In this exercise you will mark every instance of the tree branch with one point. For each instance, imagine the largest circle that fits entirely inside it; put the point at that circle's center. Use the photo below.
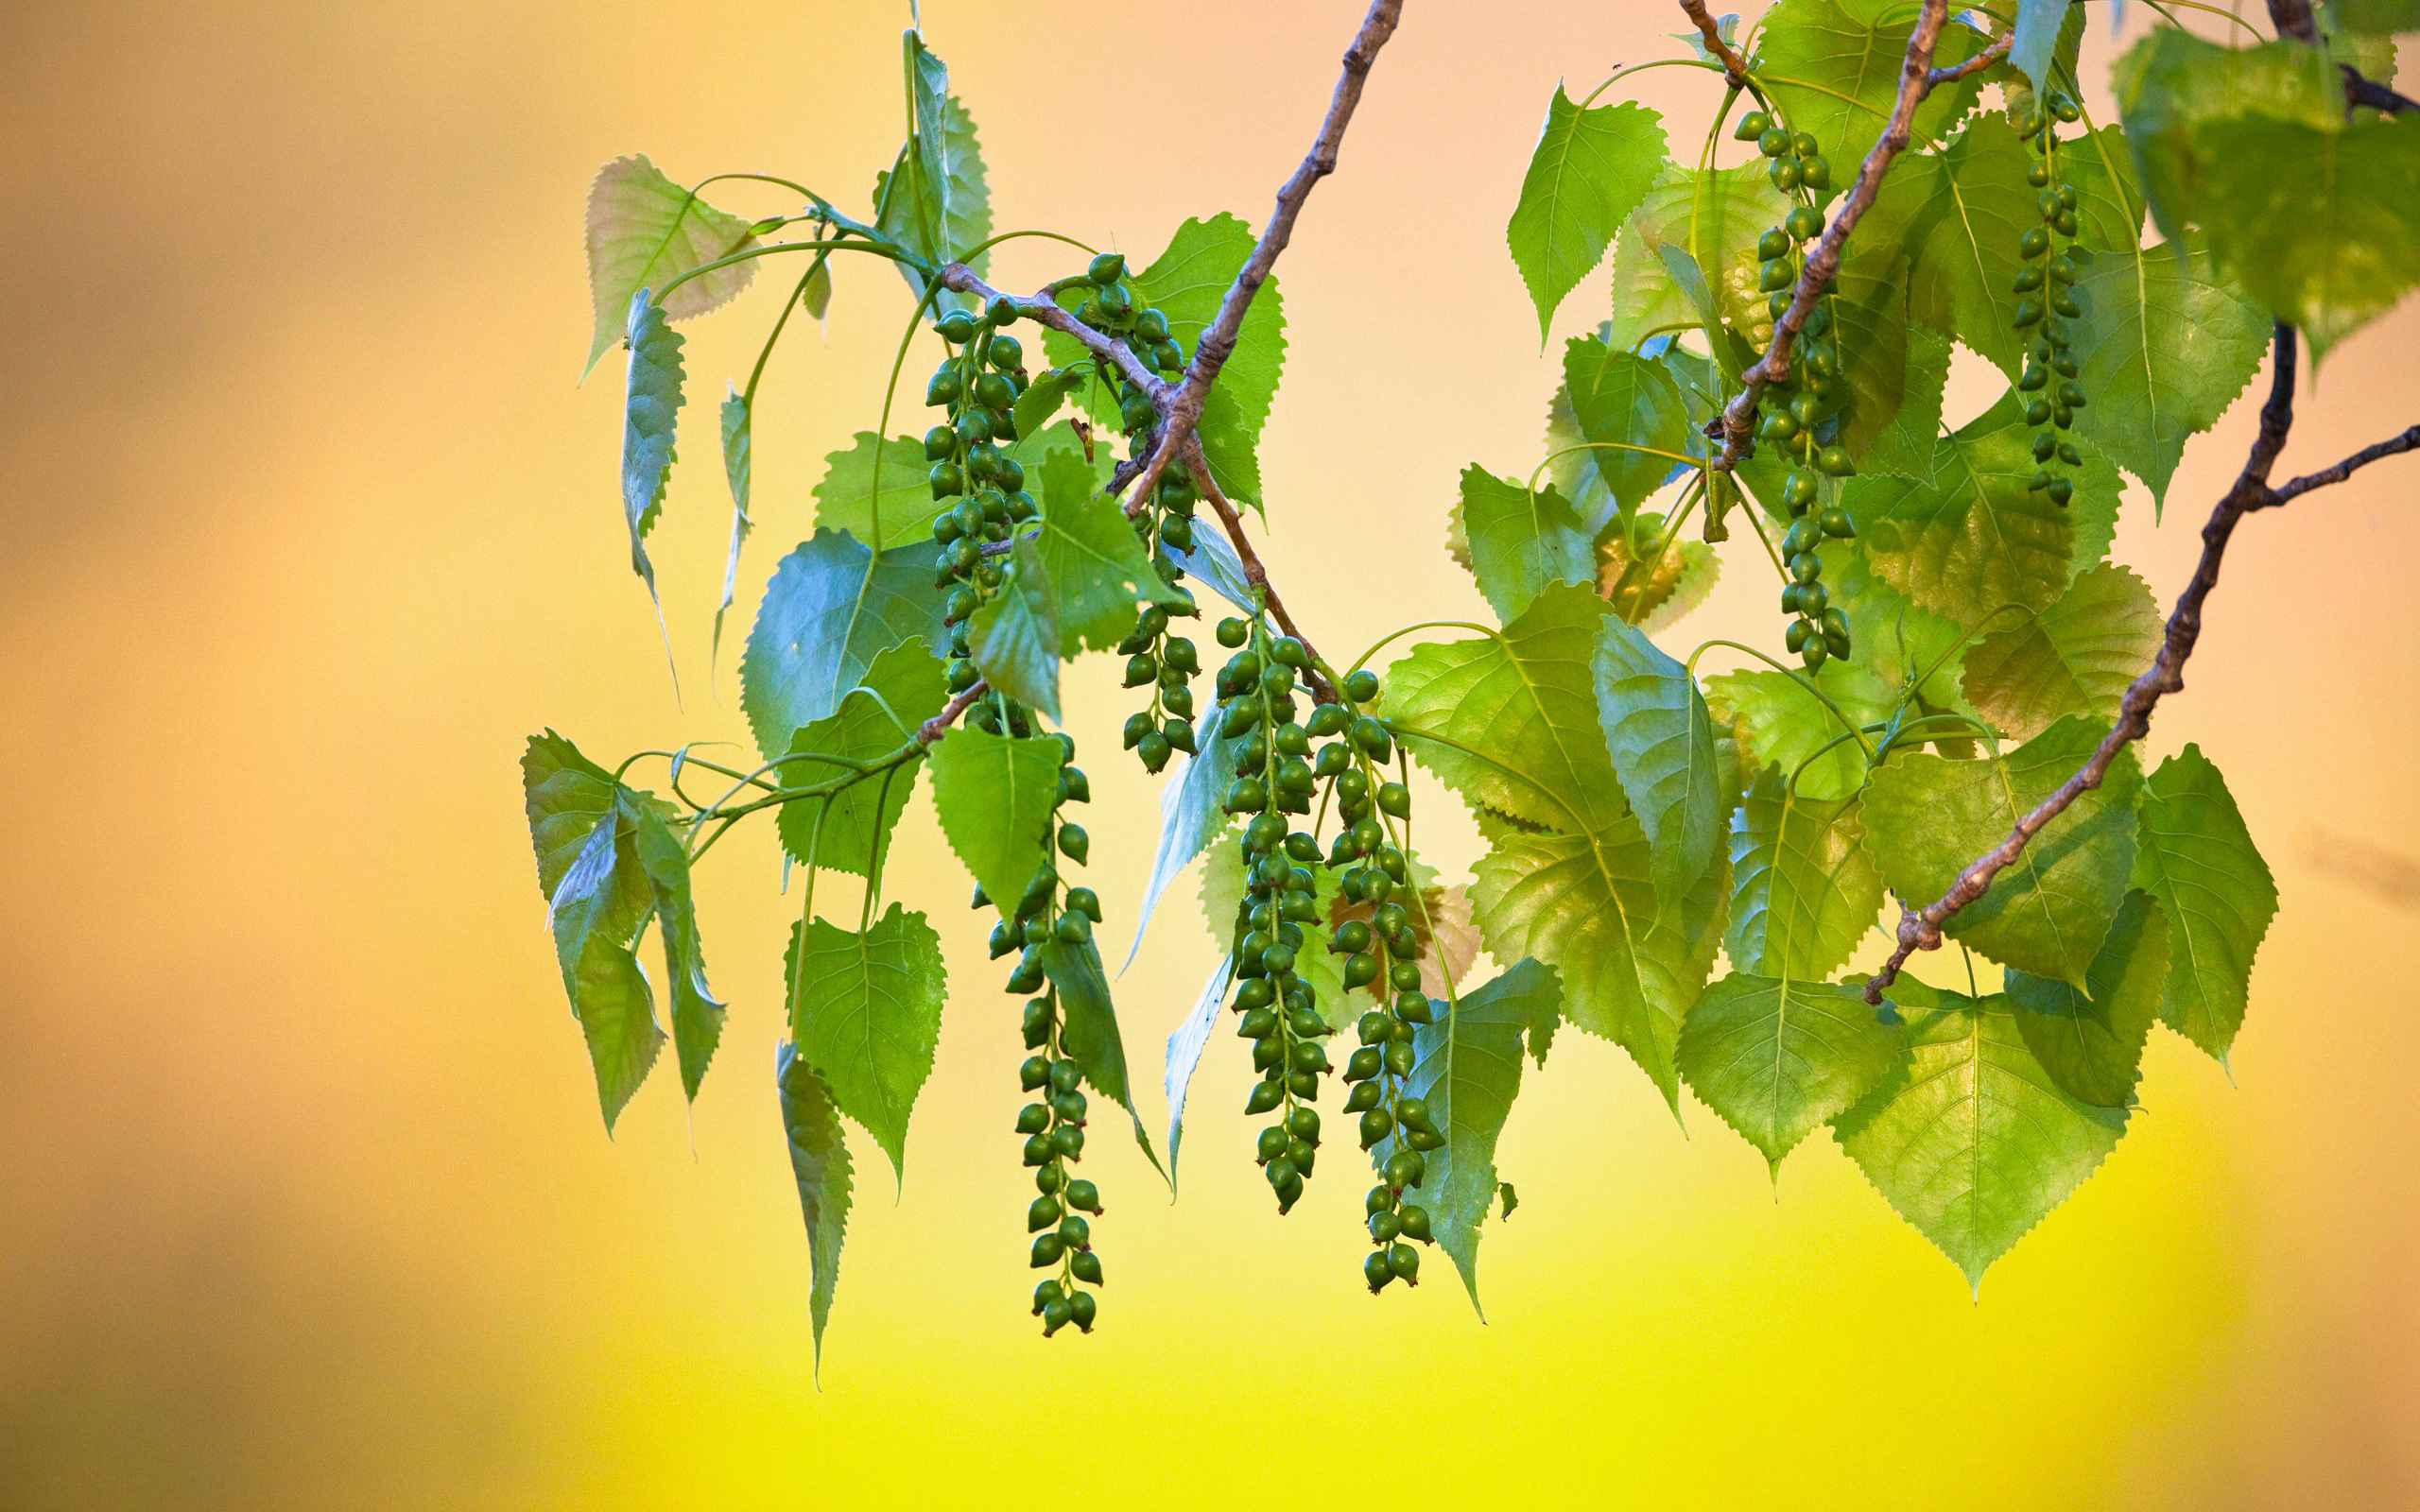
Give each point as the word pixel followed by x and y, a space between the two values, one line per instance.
pixel 1735 68
pixel 2405 441
pixel 1044 310
pixel 2359 90
pixel 1182 410
pixel 1916 78
pixel 1254 572
pixel 1920 929
pixel 931 729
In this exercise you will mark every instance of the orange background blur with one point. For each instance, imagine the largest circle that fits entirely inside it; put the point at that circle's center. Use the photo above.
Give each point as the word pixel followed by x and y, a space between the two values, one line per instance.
pixel 304 1197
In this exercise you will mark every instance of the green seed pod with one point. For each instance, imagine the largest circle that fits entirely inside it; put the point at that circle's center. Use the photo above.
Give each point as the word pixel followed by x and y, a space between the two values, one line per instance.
pixel 1415 1223
pixel 1812 653
pixel 1087 1269
pixel 1785 173
pixel 1361 686
pixel 1044 1213
pixel 1752 126
pixel 1398 1058
pixel 1776 274
pixel 1032 1118
pixel 1773 142
pixel 1837 524
pixel 1106 269
pixel 1404 1168
pixel 2037 411
pixel 2060 491
pixel 1835 462
pixel 1265 1095
pixel 2034 243
pixel 1083 1307
pixel 1773 245
pixel 1375 1125
pixel 1384 1226
pixel 1816 173
pixel 1375 1271
pixel 1068 1139
pixel 1271 1144
pixel 1804 224
pixel 2028 312
pixel 1033 1073
pixel 1363 1097
pixel 1056 1315
pixel 1394 799
pixel 1049 1249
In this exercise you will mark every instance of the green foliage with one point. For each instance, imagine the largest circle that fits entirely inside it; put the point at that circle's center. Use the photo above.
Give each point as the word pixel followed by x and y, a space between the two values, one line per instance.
pixel 1073 584
pixel 1803 890
pixel 1778 1058
pixel 996 796
pixel 1968 1137
pixel 1927 816
pixel 2090 1040
pixel 865 1010
pixel 652 411
pixel 1520 541
pixel 1589 170
pixel 831 608
pixel 1966 645
pixel 1833 67
pixel 2074 658
pixel 1661 740
pixel 1976 538
pixel 901 689
pixel 643 229
pixel 2199 864
pixel 819 1163
pixel 1467 1067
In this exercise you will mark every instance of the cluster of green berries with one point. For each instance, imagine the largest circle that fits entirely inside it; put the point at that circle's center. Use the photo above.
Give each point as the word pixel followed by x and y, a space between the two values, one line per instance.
pixel 1101 298
pixel 1797 413
pixel 1053 1124
pixel 1156 659
pixel 1280 1011
pixel 2047 301
pixel 978 385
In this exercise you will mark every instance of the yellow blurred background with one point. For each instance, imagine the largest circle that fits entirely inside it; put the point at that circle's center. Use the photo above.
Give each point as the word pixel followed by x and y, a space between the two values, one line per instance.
pixel 305 1201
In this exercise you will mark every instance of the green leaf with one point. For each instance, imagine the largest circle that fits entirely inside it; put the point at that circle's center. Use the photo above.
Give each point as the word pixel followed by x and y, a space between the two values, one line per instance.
pixel 1869 305
pixel 1692 238
pixel 1777 1058
pixel 1976 537
pixel 845 497
pixel 1617 396
pixel 1905 446
pixel 819 1163
pixel 643 230
pixel 1185 1052
pixel 1590 169
pixel 1968 1138
pixel 1927 819
pixel 1833 67
pixel 1088 1026
pixel 2091 1040
pixel 1779 724
pixel 2075 658
pixel 737 464
pixel 1042 396
pixel 597 893
pixel 865 1011
pixel 935 200
pixel 996 796
pixel 1662 744
pixel 2165 343
pixel 831 608
pixel 1519 541
pixel 1804 892
pixel 2321 223
pixel 1631 962
pixel 2172 83
pixel 1514 715
pixel 1467 1065
pixel 697 1014
pixel 1074 583
pixel 2378 16
pixel 1963 241
pixel 901 689
pixel 2199 864
pixel 1192 813
pixel 649 418
pixel 2038 23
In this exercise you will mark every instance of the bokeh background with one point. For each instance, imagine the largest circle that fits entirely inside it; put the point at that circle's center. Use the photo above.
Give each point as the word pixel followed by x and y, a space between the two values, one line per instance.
pixel 304 1197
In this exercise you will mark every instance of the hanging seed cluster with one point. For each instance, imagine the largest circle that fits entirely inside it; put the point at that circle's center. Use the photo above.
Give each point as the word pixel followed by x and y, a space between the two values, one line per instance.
pixel 2048 300
pixel 1797 414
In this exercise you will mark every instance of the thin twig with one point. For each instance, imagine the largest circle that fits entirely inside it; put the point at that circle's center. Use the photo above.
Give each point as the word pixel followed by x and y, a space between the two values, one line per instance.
pixel 1254 572
pixel 2394 445
pixel 1735 68
pixel 1183 412
pixel 2359 90
pixel 1996 50
pixel 1733 426
pixel 1044 310
pixel 931 729
pixel 1920 929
